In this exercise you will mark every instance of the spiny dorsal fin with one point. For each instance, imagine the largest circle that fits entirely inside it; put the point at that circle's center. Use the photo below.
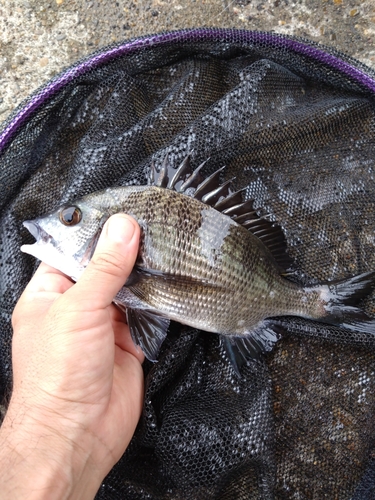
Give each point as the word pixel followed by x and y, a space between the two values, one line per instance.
pixel 163 177
pixel 188 181
pixel 179 179
pixel 182 174
pixel 209 185
pixel 225 199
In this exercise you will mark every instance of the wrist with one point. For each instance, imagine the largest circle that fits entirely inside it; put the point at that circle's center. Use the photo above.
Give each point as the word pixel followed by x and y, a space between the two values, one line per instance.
pixel 38 462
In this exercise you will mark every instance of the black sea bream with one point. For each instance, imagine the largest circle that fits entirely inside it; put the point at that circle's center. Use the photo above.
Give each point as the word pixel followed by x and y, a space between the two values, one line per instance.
pixel 206 260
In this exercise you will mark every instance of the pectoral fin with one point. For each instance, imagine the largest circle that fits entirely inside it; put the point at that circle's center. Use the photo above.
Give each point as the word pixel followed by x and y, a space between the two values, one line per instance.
pixel 148 330
pixel 251 346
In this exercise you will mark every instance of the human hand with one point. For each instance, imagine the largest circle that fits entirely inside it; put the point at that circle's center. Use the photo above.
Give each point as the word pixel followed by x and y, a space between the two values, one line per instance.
pixel 78 380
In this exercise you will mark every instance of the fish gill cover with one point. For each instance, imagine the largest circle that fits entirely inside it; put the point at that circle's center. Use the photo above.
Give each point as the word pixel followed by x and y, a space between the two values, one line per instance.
pixel 294 124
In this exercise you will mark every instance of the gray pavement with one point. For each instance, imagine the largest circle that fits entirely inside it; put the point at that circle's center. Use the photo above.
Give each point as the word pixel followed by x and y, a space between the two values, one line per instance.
pixel 38 38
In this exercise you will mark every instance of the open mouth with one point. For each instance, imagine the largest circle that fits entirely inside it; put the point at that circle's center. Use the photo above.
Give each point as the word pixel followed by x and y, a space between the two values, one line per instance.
pixel 46 249
pixel 39 234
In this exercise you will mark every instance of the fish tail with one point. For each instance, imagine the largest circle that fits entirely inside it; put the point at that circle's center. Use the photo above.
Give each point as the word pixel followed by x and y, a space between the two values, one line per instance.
pixel 340 301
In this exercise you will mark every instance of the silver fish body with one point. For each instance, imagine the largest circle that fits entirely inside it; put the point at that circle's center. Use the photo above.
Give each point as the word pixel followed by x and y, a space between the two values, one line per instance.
pixel 198 264
pixel 205 270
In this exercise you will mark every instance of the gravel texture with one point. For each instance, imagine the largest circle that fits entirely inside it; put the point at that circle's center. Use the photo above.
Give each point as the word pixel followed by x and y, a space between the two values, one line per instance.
pixel 38 38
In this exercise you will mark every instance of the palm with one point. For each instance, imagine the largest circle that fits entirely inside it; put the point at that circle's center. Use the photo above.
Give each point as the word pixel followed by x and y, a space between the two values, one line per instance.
pixel 95 377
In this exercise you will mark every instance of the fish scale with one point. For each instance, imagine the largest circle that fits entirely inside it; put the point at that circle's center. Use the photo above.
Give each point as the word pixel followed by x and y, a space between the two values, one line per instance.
pixel 196 264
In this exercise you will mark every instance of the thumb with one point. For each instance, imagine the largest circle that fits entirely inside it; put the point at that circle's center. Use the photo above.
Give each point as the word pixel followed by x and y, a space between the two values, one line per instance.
pixel 112 262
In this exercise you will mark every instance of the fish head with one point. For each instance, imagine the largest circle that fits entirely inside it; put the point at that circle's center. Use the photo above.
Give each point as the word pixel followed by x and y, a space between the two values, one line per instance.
pixel 66 238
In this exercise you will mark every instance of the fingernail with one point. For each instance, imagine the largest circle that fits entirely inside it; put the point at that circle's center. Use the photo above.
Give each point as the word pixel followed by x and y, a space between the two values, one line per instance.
pixel 120 229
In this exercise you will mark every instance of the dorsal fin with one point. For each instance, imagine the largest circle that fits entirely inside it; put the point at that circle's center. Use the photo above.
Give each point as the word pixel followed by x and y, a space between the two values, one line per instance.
pixel 183 173
pixel 225 199
pixel 165 171
pixel 217 194
pixel 193 180
pixel 182 179
pixel 270 233
pixel 230 201
pixel 209 185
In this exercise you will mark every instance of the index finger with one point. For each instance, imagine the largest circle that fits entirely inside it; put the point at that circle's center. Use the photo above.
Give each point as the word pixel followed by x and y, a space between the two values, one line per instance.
pixel 48 279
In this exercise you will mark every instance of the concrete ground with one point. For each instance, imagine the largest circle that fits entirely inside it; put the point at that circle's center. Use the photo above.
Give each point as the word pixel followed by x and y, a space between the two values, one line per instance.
pixel 38 38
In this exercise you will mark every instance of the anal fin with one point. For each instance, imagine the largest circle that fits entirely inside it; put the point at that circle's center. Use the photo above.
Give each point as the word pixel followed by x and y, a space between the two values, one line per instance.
pixel 251 346
pixel 148 330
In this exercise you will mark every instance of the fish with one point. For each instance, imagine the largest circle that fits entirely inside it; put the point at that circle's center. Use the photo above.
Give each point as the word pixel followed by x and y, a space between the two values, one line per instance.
pixel 206 259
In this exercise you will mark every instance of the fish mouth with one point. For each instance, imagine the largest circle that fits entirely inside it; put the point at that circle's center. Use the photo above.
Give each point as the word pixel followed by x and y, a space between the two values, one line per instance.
pixel 43 239
pixel 39 234
pixel 45 250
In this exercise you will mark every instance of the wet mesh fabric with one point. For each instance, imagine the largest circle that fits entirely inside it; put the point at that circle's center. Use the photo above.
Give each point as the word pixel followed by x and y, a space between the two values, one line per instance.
pixel 295 125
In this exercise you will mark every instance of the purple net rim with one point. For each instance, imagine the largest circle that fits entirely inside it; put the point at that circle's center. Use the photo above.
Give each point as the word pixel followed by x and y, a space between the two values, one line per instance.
pixel 188 35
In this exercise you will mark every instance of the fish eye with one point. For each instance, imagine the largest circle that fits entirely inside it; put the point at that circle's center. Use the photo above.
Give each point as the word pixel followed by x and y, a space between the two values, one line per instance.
pixel 70 216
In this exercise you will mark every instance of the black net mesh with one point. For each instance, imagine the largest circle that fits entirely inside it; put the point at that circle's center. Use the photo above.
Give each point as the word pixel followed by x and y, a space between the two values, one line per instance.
pixel 296 125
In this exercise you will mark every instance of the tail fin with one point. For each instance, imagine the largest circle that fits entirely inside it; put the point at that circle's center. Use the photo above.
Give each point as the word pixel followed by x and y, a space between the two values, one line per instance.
pixel 341 298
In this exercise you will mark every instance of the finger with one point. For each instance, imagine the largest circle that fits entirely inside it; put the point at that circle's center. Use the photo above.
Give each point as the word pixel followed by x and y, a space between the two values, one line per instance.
pixel 111 263
pixel 48 279
pixel 46 269
pixel 45 286
pixel 122 334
